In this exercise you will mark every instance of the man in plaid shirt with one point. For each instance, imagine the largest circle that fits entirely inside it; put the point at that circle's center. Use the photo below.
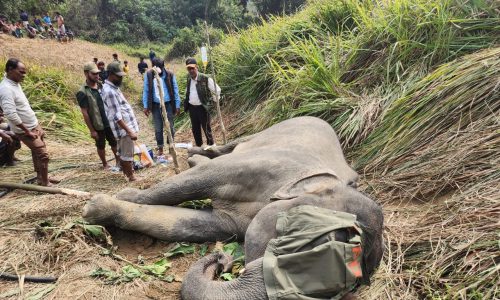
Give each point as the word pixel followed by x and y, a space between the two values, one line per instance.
pixel 121 118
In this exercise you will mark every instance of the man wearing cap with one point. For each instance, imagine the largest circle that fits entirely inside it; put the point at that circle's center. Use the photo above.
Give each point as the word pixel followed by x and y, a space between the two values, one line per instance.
pixel 92 107
pixel 22 119
pixel 121 118
pixel 151 99
pixel 201 90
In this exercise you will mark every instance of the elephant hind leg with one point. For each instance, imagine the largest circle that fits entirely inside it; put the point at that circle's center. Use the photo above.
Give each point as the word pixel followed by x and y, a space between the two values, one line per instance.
pixel 167 223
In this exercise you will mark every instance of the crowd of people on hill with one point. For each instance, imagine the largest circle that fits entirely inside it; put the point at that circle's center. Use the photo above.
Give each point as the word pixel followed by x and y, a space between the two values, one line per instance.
pixel 106 112
pixel 42 27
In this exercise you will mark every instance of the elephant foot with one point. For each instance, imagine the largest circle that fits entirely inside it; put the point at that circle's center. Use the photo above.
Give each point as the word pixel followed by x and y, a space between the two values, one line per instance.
pixel 129 195
pixel 101 210
pixel 197 160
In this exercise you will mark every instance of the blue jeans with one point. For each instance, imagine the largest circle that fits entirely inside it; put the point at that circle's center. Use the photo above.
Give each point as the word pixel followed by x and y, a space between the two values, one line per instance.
pixel 158 122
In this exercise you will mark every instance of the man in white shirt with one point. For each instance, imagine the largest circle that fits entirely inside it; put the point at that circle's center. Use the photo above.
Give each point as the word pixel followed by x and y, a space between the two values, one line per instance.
pixel 201 90
pixel 22 119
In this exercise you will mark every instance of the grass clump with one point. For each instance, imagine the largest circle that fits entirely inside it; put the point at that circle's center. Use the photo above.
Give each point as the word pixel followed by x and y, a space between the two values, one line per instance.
pixel 333 55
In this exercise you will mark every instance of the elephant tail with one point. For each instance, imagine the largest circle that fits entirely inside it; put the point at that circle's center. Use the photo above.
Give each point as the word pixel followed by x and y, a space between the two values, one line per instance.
pixel 199 281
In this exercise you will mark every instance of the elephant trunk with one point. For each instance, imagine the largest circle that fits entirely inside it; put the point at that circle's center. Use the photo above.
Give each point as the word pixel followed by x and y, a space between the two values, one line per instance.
pixel 199 281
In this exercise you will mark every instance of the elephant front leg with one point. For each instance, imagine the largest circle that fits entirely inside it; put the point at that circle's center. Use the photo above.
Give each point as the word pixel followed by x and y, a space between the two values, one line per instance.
pixel 167 223
pixel 193 184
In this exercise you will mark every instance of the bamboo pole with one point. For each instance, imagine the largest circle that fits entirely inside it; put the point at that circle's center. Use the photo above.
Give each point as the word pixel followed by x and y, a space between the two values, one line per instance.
pixel 43 189
pixel 166 123
pixel 219 114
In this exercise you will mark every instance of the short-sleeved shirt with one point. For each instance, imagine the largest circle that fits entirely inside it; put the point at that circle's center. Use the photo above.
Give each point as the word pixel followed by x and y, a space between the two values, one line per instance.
pixel 118 108
pixel 83 102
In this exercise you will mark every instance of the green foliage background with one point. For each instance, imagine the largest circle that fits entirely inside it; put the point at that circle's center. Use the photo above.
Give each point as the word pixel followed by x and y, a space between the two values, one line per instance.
pixel 137 21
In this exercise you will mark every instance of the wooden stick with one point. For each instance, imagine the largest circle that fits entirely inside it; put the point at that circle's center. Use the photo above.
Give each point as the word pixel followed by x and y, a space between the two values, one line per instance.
pixel 43 189
pixel 170 140
pixel 217 105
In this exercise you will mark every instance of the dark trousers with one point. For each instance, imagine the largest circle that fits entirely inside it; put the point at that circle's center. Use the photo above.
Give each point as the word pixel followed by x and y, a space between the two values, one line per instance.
pixel 200 118
pixel 158 122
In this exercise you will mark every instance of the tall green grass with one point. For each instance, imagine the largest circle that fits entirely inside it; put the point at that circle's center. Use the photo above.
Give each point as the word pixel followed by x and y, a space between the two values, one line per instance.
pixel 334 54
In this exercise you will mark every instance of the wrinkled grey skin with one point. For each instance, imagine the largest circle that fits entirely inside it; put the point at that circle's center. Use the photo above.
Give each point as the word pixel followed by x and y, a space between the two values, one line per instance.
pixel 251 180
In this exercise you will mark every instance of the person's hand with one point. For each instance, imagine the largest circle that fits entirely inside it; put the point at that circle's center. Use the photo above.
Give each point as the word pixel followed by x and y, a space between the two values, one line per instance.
pixel 146 112
pixel 93 134
pixel 7 138
pixel 177 111
pixel 31 135
pixel 133 135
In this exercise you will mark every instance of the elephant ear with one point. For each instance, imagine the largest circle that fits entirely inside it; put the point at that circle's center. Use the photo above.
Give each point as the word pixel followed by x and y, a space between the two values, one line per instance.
pixel 307 183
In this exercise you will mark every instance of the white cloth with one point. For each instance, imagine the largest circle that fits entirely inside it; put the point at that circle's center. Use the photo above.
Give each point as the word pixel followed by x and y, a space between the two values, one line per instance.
pixel 193 93
pixel 15 106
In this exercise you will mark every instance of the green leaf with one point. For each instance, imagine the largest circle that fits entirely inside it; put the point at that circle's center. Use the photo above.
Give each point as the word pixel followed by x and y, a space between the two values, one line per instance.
pixel 234 249
pixel 169 278
pixel 180 248
pixel 130 273
pixel 227 276
pixel 159 267
pixel 104 273
pixel 94 230
pixel 40 293
pixel 203 249
pixel 69 226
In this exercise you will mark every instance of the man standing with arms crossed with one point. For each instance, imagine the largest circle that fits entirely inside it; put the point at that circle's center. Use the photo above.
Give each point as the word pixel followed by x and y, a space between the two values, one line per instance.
pixel 92 107
pixel 121 118
pixel 22 119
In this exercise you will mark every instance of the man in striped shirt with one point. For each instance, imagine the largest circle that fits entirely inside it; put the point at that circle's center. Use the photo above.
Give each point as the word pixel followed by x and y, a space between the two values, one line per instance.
pixel 121 118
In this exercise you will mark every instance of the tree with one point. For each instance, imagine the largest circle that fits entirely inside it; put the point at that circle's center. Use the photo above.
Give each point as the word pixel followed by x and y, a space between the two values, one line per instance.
pixel 276 7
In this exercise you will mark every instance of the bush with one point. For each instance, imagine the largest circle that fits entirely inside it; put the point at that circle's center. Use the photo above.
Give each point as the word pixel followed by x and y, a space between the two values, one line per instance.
pixel 189 40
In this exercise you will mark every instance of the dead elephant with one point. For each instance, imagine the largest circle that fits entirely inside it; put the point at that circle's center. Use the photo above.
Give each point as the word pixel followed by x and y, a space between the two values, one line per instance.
pixel 253 182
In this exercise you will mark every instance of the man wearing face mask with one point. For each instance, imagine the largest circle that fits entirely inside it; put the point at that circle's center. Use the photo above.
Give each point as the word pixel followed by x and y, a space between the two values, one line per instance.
pixel 121 118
